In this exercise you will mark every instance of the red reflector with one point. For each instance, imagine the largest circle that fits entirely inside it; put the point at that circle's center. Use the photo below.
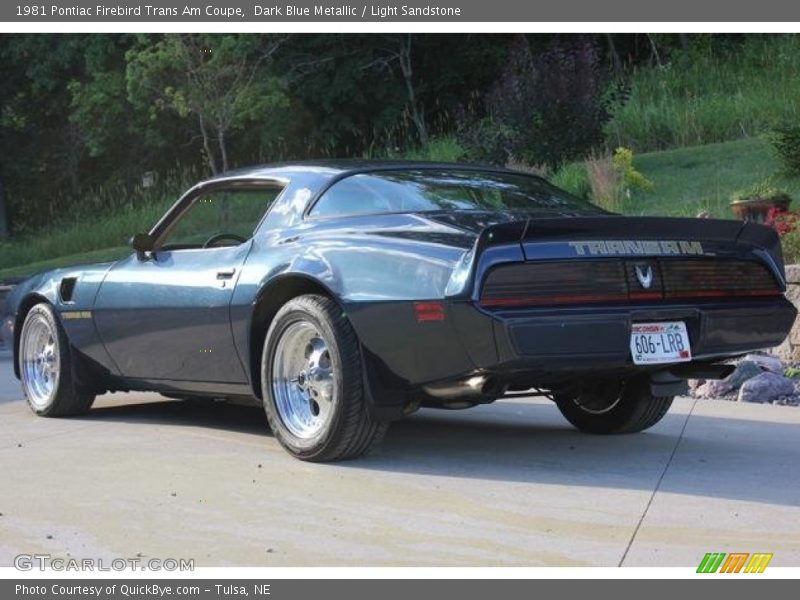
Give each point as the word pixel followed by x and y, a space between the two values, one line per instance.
pixel 723 293
pixel 645 295
pixel 599 298
pixel 545 300
pixel 429 311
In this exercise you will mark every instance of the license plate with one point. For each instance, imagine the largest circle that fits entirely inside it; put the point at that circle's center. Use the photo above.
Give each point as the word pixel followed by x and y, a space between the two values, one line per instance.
pixel 656 343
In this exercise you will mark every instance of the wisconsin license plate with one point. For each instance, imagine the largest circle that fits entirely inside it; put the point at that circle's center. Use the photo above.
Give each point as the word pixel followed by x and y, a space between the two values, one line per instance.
pixel 656 343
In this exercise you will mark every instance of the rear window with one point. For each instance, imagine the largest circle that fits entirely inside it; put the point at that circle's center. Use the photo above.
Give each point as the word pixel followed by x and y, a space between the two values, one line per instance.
pixel 427 190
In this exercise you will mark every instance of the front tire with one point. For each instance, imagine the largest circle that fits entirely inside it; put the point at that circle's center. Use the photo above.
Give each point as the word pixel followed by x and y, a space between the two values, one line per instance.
pixel 45 366
pixel 312 383
pixel 614 407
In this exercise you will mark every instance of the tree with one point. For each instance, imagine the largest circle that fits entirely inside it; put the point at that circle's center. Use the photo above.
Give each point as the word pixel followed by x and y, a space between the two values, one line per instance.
pixel 546 107
pixel 36 145
pixel 346 103
pixel 403 56
pixel 222 82
pixel 397 50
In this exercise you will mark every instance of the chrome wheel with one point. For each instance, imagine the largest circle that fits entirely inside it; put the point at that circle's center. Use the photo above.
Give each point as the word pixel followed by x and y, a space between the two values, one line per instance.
pixel 601 399
pixel 303 380
pixel 597 406
pixel 40 362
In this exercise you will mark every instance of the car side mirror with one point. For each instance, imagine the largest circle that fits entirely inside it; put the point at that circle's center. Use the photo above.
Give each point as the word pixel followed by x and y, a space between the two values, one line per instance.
pixel 142 243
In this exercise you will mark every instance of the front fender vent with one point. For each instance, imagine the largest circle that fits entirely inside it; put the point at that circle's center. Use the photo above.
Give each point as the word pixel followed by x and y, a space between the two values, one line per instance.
pixel 67 288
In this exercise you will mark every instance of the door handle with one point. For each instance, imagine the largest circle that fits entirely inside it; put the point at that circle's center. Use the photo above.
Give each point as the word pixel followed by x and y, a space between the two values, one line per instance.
pixel 226 274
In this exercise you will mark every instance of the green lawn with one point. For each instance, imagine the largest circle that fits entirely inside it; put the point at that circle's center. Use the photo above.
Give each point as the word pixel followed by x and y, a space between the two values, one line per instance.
pixel 103 255
pixel 101 237
pixel 688 180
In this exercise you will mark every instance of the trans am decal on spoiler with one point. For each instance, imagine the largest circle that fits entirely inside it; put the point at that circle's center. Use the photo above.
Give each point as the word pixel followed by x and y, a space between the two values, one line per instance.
pixel 639 248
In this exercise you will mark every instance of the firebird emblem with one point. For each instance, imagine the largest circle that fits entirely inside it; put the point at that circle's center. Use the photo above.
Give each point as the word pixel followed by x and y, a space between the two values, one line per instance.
pixel 644 273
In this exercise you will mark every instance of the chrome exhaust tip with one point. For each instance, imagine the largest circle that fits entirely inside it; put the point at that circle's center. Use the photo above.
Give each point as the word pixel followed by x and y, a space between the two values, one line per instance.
pixel 475 387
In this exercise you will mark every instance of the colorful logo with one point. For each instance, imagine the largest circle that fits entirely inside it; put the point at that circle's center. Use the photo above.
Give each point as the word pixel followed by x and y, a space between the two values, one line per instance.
pixel 735 562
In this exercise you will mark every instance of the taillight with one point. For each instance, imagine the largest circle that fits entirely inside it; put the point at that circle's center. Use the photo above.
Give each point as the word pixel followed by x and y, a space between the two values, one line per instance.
pixel 716 278
pixel 556 283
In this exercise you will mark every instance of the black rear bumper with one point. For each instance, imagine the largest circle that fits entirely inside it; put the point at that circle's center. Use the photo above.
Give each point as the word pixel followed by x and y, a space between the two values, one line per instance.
pixel 553 340
pixel 599 337
pixel 546 347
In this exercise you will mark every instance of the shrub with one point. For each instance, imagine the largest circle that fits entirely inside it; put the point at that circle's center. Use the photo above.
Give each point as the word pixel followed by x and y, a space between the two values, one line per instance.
pixel 792 372
pixel 631 178
pixel 573 178
pixel 765 190
pixel 546 107
pixel 786 224
pixel 790 243
pixel 487 140
pixel 786 141
pixel 783 221
pixel 605 182
pixel 612 178
pixel 438 149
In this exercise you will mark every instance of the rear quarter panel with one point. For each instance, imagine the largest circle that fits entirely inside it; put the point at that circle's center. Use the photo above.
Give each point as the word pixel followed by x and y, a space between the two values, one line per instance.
pixel 375 271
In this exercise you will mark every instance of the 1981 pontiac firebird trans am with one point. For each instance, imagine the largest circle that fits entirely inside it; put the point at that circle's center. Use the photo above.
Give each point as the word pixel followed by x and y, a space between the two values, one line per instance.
pixel 343 295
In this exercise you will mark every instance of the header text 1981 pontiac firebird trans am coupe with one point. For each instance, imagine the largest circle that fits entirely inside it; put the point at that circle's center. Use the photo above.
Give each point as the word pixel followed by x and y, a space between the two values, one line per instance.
pixel 344 295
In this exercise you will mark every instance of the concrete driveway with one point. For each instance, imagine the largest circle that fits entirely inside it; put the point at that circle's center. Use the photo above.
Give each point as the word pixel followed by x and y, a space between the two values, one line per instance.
pixel 9 385
pixel 508 484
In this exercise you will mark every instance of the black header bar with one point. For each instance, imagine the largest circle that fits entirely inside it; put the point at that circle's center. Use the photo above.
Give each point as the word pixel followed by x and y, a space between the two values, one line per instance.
pixel 411 11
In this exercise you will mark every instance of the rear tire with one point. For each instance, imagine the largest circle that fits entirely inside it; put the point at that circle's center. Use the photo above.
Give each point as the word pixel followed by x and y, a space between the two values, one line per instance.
pixel 45 366
pixel 619 407
pixel 312 383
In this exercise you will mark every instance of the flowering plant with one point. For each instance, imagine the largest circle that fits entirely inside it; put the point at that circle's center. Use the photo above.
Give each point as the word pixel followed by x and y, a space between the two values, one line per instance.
pixel 783 221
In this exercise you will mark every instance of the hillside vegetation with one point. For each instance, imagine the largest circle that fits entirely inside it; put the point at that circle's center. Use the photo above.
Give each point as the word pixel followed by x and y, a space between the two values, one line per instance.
pixel 697 117
pixel 687 181
pixel 712 92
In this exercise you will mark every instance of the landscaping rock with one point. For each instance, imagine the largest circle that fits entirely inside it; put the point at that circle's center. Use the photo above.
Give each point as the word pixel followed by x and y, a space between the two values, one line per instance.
pixel 773 364
pixel 696 383
pixel 715 388
pixel 793 274
pixel 744 370
pixel 793 293
pixel 766 387
pixel 789 350
pixel 788 401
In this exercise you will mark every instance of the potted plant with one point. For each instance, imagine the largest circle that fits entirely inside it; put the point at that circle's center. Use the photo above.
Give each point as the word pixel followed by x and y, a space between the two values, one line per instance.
pixel 754 203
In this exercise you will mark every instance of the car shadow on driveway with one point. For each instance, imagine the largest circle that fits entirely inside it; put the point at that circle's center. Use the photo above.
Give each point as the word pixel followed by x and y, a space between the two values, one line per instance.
pixel 720 457
pixel 216 415
pixel 735 459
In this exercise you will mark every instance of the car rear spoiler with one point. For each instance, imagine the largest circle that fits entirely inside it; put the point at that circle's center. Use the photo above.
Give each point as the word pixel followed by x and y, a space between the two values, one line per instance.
pixel 713 234
pixel 610 227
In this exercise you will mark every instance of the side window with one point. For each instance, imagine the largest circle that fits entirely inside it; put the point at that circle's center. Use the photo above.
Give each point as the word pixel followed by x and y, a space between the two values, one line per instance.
pixel 234 212
pixel 360 194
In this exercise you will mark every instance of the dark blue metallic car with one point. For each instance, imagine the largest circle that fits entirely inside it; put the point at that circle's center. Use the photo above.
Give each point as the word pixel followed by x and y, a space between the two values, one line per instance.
pixel 344 295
